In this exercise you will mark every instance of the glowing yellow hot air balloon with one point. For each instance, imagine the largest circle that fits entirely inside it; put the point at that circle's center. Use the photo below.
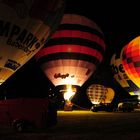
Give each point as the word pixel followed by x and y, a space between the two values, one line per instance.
pixel 109 96
pixel 25 25
pixel 96 93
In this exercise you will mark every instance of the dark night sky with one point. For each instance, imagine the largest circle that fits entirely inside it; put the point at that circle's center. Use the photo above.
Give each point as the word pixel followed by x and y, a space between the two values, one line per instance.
pixel 119 22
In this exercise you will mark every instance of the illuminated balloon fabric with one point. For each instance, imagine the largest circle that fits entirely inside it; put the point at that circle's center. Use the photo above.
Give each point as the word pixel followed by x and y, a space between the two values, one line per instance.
pixel 131 60
pixel 96 93
pixel 73 52
pixel 24 27
pixel 109 95
pixel 121 76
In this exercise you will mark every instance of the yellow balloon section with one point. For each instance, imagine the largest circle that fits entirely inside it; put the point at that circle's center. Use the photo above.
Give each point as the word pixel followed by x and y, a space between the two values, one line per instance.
pixel 100 94
pixel 109 96
pixel 121 77
pixel 131 60
pixel 25 25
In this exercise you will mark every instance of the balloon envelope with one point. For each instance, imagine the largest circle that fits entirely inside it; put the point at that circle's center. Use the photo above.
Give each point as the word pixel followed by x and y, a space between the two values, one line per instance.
pixel 131 60
pixel 25 25
pixel 72 54
pixel 109 96
pixel 121 77
pixel 96 93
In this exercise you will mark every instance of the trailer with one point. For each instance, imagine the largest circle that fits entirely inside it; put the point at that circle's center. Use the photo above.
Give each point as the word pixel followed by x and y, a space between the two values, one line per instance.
pixel 23 114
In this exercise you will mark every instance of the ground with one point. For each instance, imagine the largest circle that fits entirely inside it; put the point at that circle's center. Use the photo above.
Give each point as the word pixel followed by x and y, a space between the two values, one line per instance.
pixel 84 125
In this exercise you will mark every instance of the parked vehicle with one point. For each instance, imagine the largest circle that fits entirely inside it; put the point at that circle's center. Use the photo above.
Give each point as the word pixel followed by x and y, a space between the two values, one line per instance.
pixel 25 113
pixel 102 107
pixel 126 107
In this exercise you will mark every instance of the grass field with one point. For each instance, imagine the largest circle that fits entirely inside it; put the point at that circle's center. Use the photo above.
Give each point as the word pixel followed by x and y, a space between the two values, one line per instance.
pixel 84 125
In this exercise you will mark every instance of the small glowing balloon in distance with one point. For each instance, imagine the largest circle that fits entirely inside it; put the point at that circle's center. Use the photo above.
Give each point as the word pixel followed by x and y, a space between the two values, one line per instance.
pixel 109 96
pixel 25 26
pixel 96 93
pixel 131 60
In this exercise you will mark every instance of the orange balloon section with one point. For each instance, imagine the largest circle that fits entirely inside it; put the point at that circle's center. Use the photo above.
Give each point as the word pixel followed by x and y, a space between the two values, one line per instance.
pixel 109 96
pixel 25 25
pixel 131 60
pixel 73 52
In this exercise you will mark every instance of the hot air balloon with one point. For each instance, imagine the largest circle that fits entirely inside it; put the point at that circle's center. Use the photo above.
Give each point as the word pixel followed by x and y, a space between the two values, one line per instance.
pixel 73 52
pixel 101 97
pixel 109 96
pixel 25 25
pixel 96 93
pixel 131 60
pixel 121 77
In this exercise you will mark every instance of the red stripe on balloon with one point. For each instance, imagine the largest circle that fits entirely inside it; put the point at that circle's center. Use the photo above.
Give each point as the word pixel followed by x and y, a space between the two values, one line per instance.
pixel 81 20
pixel 79 34
pixel 69 49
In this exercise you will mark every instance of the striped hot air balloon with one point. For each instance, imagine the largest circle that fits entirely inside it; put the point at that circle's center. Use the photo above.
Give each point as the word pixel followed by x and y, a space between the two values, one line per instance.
pixel 25 25
pixel 121 76
pixel 73 52
pixel 96 93
pixel 131 60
